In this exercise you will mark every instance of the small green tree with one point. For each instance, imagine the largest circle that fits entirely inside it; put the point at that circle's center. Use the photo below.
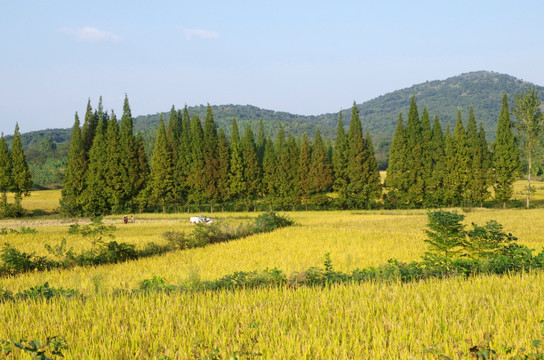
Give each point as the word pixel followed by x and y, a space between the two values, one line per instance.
pixel 445 235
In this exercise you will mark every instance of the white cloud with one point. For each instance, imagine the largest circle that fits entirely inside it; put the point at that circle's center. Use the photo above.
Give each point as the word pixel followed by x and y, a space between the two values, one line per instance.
pixel 190 34
pixel 90 34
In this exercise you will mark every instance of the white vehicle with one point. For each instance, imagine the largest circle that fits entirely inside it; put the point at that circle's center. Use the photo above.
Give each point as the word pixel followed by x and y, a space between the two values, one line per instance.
pixel 200 220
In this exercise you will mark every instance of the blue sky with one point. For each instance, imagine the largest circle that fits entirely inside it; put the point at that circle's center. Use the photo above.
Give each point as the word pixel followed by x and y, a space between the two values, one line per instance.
pixel 304 57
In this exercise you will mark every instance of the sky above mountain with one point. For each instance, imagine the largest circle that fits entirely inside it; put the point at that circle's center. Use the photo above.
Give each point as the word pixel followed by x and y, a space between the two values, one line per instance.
pixel 303 57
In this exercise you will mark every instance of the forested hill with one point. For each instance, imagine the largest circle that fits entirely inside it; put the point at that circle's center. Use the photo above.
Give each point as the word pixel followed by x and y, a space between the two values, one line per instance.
pixel 482 89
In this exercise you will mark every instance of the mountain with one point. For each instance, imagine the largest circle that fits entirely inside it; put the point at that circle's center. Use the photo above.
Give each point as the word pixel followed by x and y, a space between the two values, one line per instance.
pixel 482 89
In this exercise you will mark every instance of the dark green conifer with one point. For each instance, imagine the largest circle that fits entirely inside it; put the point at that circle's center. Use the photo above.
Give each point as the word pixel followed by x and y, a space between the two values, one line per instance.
pixel 269 172
pixel 426 156
pixel 340 163
pixel 74 176
pixel 115 173
pixel 6 179
pixel 252 171
pixel 95 197
pixel 372 179
pixel 321 174
pixel 223 168
pixel 505 157
pixel 89 128
pixel 197 178
pixel 461 160
pixel 305 166
pixel 435 184
pixel 397 179
pixel 129 160
pixel 356 161
pixel 22 179
pixel 414 140
pixel 261 141
pixel 161 180
pixel 211 163
pixel 237 181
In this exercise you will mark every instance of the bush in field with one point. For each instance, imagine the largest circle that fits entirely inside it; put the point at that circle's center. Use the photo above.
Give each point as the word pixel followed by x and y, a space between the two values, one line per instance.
pixel 17 262
pixel 216 232
pixel 48 350
pixel 47 292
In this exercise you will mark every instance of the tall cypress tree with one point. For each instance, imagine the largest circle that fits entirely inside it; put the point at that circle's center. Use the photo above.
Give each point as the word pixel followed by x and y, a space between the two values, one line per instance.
pixel 340 162
pixel 161 179
pixel 184 159
pixel 305 177
pixel 238 185
pixel 321 177
pixel 435 185
pixel 115 173
pixel 505 156
pixel 461 160
pixel 269 172
pixel 129 159
pixel 477 176
pixel 174 130
pixel 94 197
pixel 292 172
pixel 451 190
pixel 6 179
pixel 426 156
pixel 261 141
pixel 356 161
pixel 397 179
pixel 252 171
pixel 197 177
pixel 223 168
pixel 88 130
pixel 211 163
pixel 143 167
pixel 74 176
pixel 282 183
pixel 414 140
pixel 372 179
pixel 22 179
pixel 484 179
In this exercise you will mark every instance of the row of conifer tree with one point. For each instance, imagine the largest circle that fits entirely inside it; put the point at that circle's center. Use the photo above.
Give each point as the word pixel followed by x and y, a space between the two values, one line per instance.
pixel 14 174
pixel 428 168
pixel 195 164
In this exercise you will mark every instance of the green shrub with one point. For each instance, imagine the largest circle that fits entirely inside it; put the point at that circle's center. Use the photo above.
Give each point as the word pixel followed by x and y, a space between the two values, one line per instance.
pixel 47 292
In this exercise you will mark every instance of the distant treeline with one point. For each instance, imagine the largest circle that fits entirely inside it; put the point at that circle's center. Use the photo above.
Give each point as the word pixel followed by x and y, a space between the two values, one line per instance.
pixel 196 165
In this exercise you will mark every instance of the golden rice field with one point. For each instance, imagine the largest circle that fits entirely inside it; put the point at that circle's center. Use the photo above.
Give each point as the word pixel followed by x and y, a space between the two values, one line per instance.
pixel 351 321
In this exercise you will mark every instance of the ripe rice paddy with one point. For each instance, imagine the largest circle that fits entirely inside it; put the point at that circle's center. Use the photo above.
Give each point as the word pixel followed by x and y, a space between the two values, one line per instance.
pixel 350 321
